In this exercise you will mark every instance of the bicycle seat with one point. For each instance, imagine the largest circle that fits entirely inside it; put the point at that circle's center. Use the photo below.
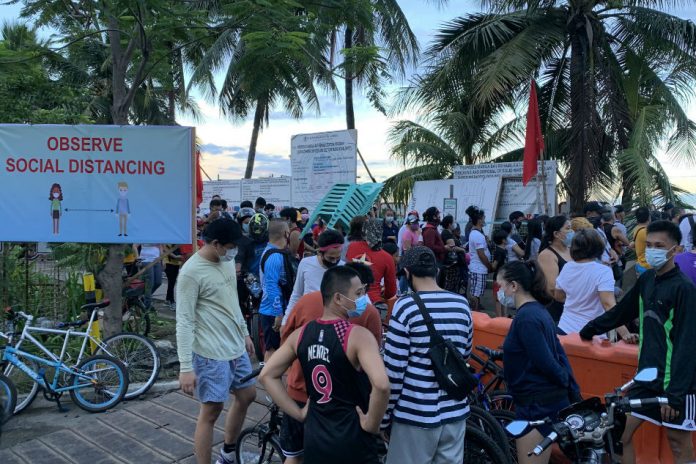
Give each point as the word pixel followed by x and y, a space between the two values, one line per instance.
pixel 493 355
pixel 93 306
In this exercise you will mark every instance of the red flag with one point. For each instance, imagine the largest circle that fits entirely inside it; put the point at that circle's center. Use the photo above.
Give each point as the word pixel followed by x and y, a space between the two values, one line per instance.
pixel 199 179
pixel 534 142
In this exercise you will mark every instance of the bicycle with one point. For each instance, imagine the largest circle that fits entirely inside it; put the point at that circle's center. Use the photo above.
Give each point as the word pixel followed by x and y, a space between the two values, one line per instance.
pixel 261 443
pixel 491 395
pixel 135 314
pixel 8 398
pixel 96 384
pixel 250 310
pixel 137 353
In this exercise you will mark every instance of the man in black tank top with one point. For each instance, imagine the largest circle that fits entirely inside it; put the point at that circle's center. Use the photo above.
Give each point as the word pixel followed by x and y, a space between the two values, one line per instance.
pixel 347 383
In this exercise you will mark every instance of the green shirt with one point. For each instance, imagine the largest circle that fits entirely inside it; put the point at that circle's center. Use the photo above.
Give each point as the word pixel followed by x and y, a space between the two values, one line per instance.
pixel 209 321
pixel 55 205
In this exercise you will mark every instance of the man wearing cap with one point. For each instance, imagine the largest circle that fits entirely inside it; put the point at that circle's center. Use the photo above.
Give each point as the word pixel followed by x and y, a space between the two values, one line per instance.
pixel 410 232
pixel 213 342
pixel 424 423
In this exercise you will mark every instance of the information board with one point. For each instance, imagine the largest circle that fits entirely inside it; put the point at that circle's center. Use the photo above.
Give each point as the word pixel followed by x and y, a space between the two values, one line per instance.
pixel 441 193
pixel 513 195
pixel 319 161
pixel 96 184
pixel 229 190
pixel 276 190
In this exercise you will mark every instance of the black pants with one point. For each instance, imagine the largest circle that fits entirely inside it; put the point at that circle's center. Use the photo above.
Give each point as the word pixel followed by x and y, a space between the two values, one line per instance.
pixel 172 272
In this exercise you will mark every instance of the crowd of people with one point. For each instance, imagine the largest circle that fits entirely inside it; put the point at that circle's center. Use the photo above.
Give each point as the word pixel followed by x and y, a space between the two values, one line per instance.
pixel 345 363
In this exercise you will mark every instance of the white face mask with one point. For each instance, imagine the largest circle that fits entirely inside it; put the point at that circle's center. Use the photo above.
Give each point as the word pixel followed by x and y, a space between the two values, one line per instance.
pixel 505 300
pixel 56 194
pixel 123 193
pixel 228 256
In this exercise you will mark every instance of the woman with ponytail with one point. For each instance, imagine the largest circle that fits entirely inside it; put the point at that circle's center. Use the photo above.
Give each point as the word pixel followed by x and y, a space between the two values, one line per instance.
pixel 537 370
pixel 555 253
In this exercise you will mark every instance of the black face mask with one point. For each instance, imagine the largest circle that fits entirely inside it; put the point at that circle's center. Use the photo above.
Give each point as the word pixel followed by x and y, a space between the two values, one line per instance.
pixel 329 264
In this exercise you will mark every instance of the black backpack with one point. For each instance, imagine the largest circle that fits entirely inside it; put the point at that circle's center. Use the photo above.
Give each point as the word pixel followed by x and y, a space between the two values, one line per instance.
pixel 290 272
pixel 450 368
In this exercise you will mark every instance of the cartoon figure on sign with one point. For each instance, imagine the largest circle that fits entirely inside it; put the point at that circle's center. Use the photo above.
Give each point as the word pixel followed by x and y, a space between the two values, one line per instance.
pixel 55 197
pixel 122 209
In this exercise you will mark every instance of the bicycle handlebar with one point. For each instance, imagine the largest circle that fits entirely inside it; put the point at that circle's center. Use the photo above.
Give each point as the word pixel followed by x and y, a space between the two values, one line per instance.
pixel 545 443
pixel 254 373
pixel 642 403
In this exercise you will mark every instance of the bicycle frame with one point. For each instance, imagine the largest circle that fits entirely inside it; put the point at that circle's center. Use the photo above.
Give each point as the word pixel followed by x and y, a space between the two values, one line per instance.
pixel 12 355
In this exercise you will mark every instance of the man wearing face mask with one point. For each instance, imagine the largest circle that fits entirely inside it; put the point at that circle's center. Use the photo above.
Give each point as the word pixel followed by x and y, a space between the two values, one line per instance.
pixel 213 343
pixel 427 425
pixel 664 300
pixel 346 382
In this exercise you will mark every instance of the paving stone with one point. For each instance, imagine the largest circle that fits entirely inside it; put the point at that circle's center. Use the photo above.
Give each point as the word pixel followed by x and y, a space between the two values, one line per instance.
pixel 168 443
pixel 8 457
pixel 36 452
pixel 70 444
pixel 122 446
pixel 171 420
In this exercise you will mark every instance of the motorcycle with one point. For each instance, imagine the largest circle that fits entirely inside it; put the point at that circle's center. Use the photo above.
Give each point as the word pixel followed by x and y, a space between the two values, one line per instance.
pixel 584 429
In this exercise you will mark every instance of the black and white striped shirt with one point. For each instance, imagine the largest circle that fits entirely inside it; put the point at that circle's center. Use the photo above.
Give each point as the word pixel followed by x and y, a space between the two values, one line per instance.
pixel 416 398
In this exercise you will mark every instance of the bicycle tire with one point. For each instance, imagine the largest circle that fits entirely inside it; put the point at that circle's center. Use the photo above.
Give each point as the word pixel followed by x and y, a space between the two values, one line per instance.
pixel 504 418
pixel 94 366
pixel 487 423
pixel 500 399
pixel 8 398
pixel 26 388
pixel 254 448
pixel 140 357
pixel 256 335
pixel 479 449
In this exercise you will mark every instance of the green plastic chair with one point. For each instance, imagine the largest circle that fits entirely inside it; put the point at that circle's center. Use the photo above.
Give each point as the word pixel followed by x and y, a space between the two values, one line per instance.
pixel 344 202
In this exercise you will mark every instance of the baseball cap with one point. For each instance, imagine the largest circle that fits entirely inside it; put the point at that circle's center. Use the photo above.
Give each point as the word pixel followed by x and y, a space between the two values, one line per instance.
pixel 418 256
pixel 412 217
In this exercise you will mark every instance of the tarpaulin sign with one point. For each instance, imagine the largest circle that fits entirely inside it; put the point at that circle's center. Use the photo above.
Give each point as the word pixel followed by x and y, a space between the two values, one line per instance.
pixel 100 184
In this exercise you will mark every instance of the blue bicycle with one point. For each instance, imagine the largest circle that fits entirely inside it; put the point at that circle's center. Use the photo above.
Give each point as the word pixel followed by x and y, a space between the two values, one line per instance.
pixel 96 384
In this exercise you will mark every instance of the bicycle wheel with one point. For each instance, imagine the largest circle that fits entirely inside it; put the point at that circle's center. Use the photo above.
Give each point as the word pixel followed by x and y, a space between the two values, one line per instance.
pixel 256 335
pixel 138 320
pixel 100 383
pixel 140 357
pixel 487 423
pixel 479 449
pixel 500 399
pixel 253 447
pixel 504 418
pixel 26 388
pixel 8 398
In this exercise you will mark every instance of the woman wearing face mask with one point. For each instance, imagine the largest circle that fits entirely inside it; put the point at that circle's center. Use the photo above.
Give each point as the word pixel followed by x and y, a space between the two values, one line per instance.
pixel 537 371
pixel 431 236
pixel 586 286
pixel 390 228
pixel 480 264
pixel 555 253
pixel 311 269
pixel 411 235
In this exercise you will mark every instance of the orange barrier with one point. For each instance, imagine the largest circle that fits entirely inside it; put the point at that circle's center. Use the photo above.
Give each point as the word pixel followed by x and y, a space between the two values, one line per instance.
pixel 599 367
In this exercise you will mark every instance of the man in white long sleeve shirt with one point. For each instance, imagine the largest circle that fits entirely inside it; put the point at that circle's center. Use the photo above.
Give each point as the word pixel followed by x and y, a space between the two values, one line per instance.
pixel 213 342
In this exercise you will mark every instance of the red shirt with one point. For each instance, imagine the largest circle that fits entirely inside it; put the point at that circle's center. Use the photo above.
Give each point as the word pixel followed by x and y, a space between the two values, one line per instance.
pixel 433 240
pixel 382 265
pixel 310 308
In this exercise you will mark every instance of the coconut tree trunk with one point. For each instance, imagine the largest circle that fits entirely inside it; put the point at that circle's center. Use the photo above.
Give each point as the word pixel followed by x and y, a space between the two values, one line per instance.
pixel 258 120
pixel 350 111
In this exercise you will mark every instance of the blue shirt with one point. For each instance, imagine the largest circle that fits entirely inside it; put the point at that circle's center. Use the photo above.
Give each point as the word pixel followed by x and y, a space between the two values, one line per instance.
pixel 272 275
pixel 535 362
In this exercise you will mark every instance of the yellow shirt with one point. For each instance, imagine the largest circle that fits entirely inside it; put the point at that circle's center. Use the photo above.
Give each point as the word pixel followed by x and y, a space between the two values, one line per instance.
pixel 639 237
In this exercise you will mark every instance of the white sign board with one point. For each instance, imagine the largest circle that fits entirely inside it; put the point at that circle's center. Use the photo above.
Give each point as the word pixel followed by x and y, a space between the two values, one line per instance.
pixel 230 190
pixel 482 192
pixel 275 190
pixel 319 161
pixel 513 195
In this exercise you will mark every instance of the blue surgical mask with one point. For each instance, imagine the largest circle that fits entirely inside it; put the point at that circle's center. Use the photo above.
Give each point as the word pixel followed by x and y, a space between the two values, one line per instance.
pixel 360 306
pixel 656 257
pixel 568 240
pixel 505 300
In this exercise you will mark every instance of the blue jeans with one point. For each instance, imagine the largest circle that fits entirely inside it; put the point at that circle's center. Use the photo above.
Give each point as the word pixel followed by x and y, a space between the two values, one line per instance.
pixel 153 280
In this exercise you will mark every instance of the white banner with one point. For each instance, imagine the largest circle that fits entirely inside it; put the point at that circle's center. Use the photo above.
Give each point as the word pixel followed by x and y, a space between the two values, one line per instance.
pixel 319 161
pixel 454 196
pixel 513 195
pixel 275 190
pixel 229 190
pixel 96 184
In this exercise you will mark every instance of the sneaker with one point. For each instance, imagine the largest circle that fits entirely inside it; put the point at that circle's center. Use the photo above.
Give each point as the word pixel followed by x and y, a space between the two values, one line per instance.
pixel 171 305
pixel 226 458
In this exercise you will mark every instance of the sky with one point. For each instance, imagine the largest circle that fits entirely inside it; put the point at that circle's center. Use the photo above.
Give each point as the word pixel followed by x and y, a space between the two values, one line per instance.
pixel 225 143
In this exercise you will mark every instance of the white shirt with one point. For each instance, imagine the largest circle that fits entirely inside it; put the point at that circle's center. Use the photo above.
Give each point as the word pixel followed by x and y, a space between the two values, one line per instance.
pixel 582 283
pixel 477 241
pixel 399 237
pixel 308 280
pixel 149 253
pixel 685 228
pixel 511 255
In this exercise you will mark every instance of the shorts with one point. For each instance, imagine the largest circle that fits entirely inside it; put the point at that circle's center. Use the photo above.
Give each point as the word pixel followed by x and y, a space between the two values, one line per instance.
pixel 216 379
pixel 687 416
pixel 292 435
pixel 477 284
pixel 271 338
pixel 534 412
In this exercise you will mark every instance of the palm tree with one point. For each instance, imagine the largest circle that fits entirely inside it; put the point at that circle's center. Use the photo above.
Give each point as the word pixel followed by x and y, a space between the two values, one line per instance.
pixel 580 52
